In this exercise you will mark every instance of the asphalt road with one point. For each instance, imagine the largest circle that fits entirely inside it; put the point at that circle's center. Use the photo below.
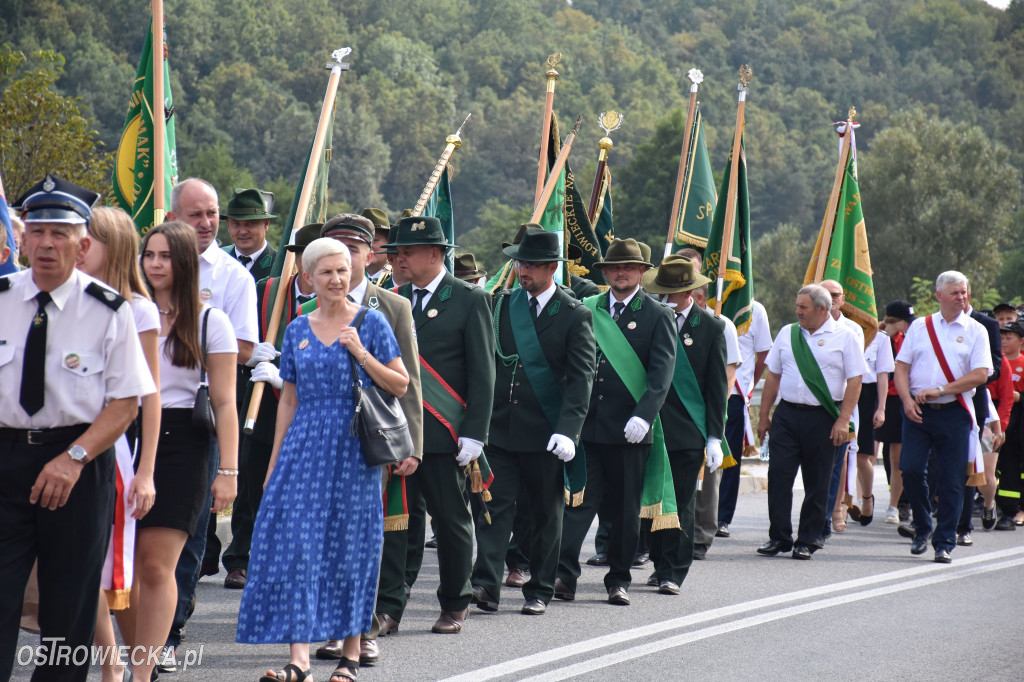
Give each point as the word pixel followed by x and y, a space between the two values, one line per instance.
pixel 862 608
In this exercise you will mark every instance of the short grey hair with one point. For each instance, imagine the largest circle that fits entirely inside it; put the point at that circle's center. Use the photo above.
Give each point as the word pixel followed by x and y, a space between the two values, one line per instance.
pixel 321 248
pixel 950 277
pixel 177 189
pixel 820 297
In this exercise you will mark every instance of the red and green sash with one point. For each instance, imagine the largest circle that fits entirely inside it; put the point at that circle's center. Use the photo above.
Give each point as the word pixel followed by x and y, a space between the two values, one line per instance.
pixel 659 496
pixel 266 309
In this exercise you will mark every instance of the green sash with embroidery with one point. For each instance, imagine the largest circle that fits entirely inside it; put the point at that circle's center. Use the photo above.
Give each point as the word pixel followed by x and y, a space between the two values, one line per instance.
pixel 659 495
pixel 545 388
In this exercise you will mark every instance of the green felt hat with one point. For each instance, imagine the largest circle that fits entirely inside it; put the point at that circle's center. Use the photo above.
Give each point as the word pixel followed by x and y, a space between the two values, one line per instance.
pixel 622 251
pixel 676 274
pixel 247 204
pixel 378 217
pixel 417 231
pixel 304 237
pixel 466 268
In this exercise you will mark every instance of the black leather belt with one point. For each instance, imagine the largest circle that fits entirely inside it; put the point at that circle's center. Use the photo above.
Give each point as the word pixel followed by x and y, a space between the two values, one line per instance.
pixel 42 436
pixel 805 408
pixel 942 406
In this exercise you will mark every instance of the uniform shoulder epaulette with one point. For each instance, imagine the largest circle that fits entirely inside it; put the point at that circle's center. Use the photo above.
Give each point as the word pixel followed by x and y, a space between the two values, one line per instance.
pixel 107 297
pixel 5 283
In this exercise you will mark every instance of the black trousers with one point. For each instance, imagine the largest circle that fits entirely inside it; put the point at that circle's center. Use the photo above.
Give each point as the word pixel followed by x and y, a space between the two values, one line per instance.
pixel 442 483
pixel 1010 465
pixel 70 544
pixel 672 549
pixel 799 438
pixel 538 476
pixel 615 482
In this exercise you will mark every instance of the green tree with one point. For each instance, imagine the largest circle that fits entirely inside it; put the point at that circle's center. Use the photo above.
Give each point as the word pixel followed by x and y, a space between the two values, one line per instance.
pixel 780 261
pixel 42 131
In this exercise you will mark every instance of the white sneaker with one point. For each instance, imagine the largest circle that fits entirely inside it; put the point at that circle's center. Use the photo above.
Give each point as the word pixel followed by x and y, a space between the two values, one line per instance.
pixel 168 662
pixel 892 515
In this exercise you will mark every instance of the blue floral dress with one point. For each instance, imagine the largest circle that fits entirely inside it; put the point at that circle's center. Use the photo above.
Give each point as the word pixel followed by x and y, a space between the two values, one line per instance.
pixel 317 540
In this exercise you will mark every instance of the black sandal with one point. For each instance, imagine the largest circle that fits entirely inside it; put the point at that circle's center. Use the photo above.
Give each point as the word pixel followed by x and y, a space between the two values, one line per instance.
pixel 290 673
pixel 347 670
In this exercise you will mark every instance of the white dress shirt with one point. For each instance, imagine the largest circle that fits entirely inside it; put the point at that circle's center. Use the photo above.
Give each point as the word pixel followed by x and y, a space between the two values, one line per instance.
pixel 839 354
pixel 625 302
pixel 964 342
pixel 879 358
pixel 359 293
pixel 93 355
pixel 253 257
pixel 543 297
pixel 757 340
pixel 225 284
pixel 431 288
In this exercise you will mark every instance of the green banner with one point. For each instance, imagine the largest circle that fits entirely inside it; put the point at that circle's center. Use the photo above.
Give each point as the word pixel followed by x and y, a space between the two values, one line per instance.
pixel 440 206
pixel 134 164
pixel 697 202
pixel 604 229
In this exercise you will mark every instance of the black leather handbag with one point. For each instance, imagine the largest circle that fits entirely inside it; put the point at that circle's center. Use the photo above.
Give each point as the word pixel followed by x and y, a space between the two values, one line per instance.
pixel 203 417
pixel 378 421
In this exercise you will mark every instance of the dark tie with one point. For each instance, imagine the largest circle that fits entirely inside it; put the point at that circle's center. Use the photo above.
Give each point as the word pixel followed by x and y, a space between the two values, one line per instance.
pixel 305 298
pixel 534 307
pixel 619 306
pixel 244 260
pixel 349 297
pixel 420 293
pixel 33 370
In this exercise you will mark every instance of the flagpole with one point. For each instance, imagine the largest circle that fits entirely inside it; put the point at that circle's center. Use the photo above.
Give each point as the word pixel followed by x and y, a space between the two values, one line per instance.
pixel 549 187
pixel 696 78
pixel 159 122
pixel 336 65
pixel 730 202
pixel 609 122
pixel 545 131
pixel 833 200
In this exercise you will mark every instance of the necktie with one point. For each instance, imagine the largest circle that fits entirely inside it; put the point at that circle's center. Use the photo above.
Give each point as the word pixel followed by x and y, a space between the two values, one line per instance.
pixel 244 260
pixel 619 306
pixel 420 293
pixel 349 297
pixel 33 371
pixel 305 298
pixel 534 306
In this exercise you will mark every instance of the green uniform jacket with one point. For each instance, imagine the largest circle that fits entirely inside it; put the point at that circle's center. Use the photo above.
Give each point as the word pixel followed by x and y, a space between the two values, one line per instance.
pixel 458 342
pixel 260 268
pixel 707 357
pixel 653 338
pixel 565 330
pixel 582 288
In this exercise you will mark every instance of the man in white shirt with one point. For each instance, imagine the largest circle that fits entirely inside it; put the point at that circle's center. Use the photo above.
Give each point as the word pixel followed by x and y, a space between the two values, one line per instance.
pixel 817 358
pixel 937 390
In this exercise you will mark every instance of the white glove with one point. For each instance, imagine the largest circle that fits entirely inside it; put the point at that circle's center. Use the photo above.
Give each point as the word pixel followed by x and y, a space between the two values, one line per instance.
pixel 715 454
pixel 562 446
pixel 469 451
pixel 636 429
pixel 262 352
pixel 268 372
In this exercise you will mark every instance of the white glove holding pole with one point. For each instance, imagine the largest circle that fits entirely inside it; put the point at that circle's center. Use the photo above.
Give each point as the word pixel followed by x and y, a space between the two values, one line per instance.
pixel 469 451
pixel 562 446
pixel 715 454
pixel 268 372
pixel 636 429
pixel 262 352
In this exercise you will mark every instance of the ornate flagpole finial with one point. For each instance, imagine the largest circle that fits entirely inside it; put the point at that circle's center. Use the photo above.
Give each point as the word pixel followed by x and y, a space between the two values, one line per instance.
pixel 696 76
pixel 553 61
pixel 746 73
pixel 456 139
pixel 579 122
pixel 338 59
pixel 852 113
pixel 609 122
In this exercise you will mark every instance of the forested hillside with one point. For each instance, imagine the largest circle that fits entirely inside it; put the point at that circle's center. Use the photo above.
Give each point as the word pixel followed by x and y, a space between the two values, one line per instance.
pixel 936 83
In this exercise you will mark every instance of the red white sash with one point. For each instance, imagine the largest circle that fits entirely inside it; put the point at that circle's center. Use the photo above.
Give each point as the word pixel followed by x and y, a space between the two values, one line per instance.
pixel 117 566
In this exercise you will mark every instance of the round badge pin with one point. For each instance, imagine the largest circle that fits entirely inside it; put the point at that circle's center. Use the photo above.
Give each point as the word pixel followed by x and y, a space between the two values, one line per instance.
pixel 205 294
pixel 821 342
pixel 687 341
pixel 71 361
pixel 959 339
pixel 631 325
pixel 304 344
pixel 432 313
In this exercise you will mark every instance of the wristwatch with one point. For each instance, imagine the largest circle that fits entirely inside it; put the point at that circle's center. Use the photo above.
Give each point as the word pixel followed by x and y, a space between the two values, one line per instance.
pixel 942 390
pixel 78 453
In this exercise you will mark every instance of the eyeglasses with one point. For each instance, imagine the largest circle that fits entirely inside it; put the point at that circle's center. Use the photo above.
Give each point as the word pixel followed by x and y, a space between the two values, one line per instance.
pixel 526 265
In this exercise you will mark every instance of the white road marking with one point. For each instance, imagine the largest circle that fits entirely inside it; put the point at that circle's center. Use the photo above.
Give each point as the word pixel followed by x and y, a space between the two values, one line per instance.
pixel 961 568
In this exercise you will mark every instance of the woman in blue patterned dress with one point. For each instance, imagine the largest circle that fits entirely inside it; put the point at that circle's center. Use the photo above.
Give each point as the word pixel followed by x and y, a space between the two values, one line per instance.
pixel 317 540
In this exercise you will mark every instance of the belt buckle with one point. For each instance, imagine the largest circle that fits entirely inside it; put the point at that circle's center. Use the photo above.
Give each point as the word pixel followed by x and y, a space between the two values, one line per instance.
pixel 30 434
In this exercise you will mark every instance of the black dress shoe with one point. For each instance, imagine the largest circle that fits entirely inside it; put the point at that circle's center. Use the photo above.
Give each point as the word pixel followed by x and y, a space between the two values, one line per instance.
pixel 617 595
pixel 906 530
pixel 431 543
pixel 942 556
pixel 483 599
pixel 369 653
pixel 964 540
pixel 918 545
pixel 653 581
pixel 1005 523
pixel 773 547
pixel 533 607
pixel 700 552
pixel 641 558
pixel 563 591
pixel 723 531
pixel 599 559
pixel 802 552
pixel 668 587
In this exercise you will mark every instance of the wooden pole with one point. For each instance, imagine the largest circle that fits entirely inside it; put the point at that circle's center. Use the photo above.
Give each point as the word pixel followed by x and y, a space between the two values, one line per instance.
pixel 730 202
pixel 828 224
pixel 696 77
pixel 545 131
pixel 159 122
pixel 337 65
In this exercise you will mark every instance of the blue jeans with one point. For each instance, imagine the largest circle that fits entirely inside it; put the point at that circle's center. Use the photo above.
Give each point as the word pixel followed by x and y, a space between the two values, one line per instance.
pixel 729 488
pixel 943 435
pixel 186 575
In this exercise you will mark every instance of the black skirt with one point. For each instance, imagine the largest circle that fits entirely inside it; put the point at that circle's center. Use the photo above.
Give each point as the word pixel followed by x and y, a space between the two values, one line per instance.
pixel 180 475
pixel 892 429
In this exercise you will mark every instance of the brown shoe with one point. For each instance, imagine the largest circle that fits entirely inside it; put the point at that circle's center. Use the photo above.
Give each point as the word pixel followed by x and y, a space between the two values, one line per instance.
pixel 517 577
pixel 386 624
pixel 369 654
pixel 450 622
pixel 330 651
pixel 236 579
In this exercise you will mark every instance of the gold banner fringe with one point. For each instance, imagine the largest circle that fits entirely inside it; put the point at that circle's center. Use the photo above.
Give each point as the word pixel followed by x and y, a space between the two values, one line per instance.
pixel 117 600
pixel 397 522
pixel 976 479
pixel 476 479
pixel 486 495
pixel 729 461
pixel 665 522
pixel 651 511
pixel 573 499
